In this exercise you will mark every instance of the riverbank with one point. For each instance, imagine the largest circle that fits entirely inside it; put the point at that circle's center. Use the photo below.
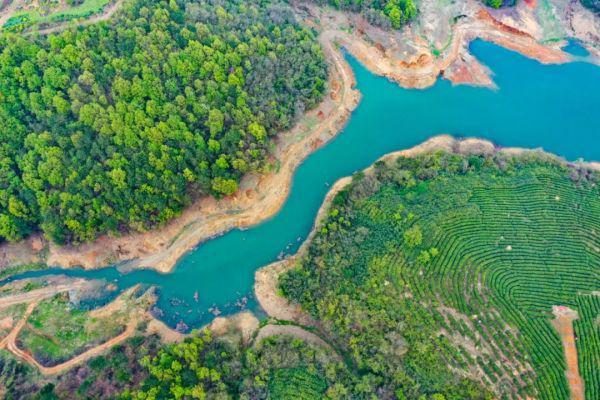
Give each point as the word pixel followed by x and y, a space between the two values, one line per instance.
pixel 431 47
pixel 404 56
pixel 259 197
pixel 127 302
pixel 266 278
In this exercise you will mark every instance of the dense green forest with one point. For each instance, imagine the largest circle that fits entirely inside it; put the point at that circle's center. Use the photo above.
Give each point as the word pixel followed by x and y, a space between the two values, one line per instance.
pixel 442 266
pixel 116 125
pixel 278 367
pixel 384 13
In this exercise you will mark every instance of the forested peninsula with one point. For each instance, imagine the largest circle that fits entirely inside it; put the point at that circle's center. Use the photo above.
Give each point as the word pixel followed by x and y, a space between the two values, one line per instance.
pixel 118 125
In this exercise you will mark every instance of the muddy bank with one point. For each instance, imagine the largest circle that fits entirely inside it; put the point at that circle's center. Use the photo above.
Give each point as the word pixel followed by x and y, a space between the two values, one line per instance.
pixel 437 43
pixel 266 278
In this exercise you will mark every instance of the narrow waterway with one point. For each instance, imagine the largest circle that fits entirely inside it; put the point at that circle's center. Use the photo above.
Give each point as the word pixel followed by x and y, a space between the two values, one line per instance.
pixel 555 107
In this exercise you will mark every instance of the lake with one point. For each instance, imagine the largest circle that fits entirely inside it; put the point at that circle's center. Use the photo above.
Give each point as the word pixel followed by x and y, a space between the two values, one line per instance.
pixel 555 107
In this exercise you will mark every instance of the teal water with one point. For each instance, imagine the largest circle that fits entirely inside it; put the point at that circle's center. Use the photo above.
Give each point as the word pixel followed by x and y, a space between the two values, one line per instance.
pixel 575 48
pixel 551 106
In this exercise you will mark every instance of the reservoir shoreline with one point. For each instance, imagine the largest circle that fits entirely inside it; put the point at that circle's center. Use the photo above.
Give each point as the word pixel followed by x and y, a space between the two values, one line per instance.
pixel 262 196
pixel 266 278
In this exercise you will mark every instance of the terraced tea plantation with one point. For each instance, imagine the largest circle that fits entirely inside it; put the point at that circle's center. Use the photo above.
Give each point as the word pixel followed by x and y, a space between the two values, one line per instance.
pixel 447 260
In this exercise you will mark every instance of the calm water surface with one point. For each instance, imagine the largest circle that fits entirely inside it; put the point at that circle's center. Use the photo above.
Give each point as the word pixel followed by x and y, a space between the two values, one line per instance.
pixel 551 106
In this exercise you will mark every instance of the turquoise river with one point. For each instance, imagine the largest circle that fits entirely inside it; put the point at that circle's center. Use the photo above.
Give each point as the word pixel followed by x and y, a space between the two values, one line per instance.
pixel 556 107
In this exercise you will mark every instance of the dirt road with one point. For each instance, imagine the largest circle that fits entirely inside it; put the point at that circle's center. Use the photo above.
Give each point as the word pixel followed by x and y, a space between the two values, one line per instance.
pixel 93 352
pixel 9 341
pixel 35 296
pixel 564 325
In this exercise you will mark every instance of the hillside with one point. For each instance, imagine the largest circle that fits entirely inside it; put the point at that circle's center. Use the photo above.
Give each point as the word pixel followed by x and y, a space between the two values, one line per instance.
pixel 446 265
pixel 116 126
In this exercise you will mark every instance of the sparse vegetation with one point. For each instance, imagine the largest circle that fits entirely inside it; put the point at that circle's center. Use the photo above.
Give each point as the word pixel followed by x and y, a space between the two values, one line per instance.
pixel 49 12
pixel 56 330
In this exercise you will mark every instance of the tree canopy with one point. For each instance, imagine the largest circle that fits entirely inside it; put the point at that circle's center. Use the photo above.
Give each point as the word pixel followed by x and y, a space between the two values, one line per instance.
pixel 384 13
pixel 116 125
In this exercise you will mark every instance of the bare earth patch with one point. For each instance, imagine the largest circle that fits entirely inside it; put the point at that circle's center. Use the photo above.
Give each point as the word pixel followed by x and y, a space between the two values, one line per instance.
pixel 436 44
pixel 33 298
pixel 564 325
pixel 245 323
pixel 166 334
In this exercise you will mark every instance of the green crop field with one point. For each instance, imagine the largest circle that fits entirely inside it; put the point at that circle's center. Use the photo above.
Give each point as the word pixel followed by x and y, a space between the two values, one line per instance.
pixel 457 261
pixel 296 383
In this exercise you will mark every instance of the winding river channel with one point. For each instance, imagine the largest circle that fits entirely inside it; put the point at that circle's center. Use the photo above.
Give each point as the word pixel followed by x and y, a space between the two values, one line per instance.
pixel 556 107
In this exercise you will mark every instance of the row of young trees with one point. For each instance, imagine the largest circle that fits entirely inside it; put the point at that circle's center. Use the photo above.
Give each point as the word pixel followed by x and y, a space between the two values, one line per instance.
pixel 115 125
pixel 355 279
pixel 417 236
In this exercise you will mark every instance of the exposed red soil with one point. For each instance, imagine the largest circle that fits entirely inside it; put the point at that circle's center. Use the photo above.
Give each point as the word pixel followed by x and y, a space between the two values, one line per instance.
pixel 564 325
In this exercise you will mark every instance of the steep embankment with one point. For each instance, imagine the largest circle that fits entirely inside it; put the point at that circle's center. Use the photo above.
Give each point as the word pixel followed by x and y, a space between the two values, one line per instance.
pixel 422 52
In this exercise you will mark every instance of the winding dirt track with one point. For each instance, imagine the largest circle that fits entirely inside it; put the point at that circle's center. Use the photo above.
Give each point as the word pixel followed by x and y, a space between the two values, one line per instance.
pixel 9 341
pixel 33 298
pixel 57 369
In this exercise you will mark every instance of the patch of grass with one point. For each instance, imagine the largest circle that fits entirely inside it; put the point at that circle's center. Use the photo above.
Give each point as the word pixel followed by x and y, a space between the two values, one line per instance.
pixel 57 331
pixel 296 383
